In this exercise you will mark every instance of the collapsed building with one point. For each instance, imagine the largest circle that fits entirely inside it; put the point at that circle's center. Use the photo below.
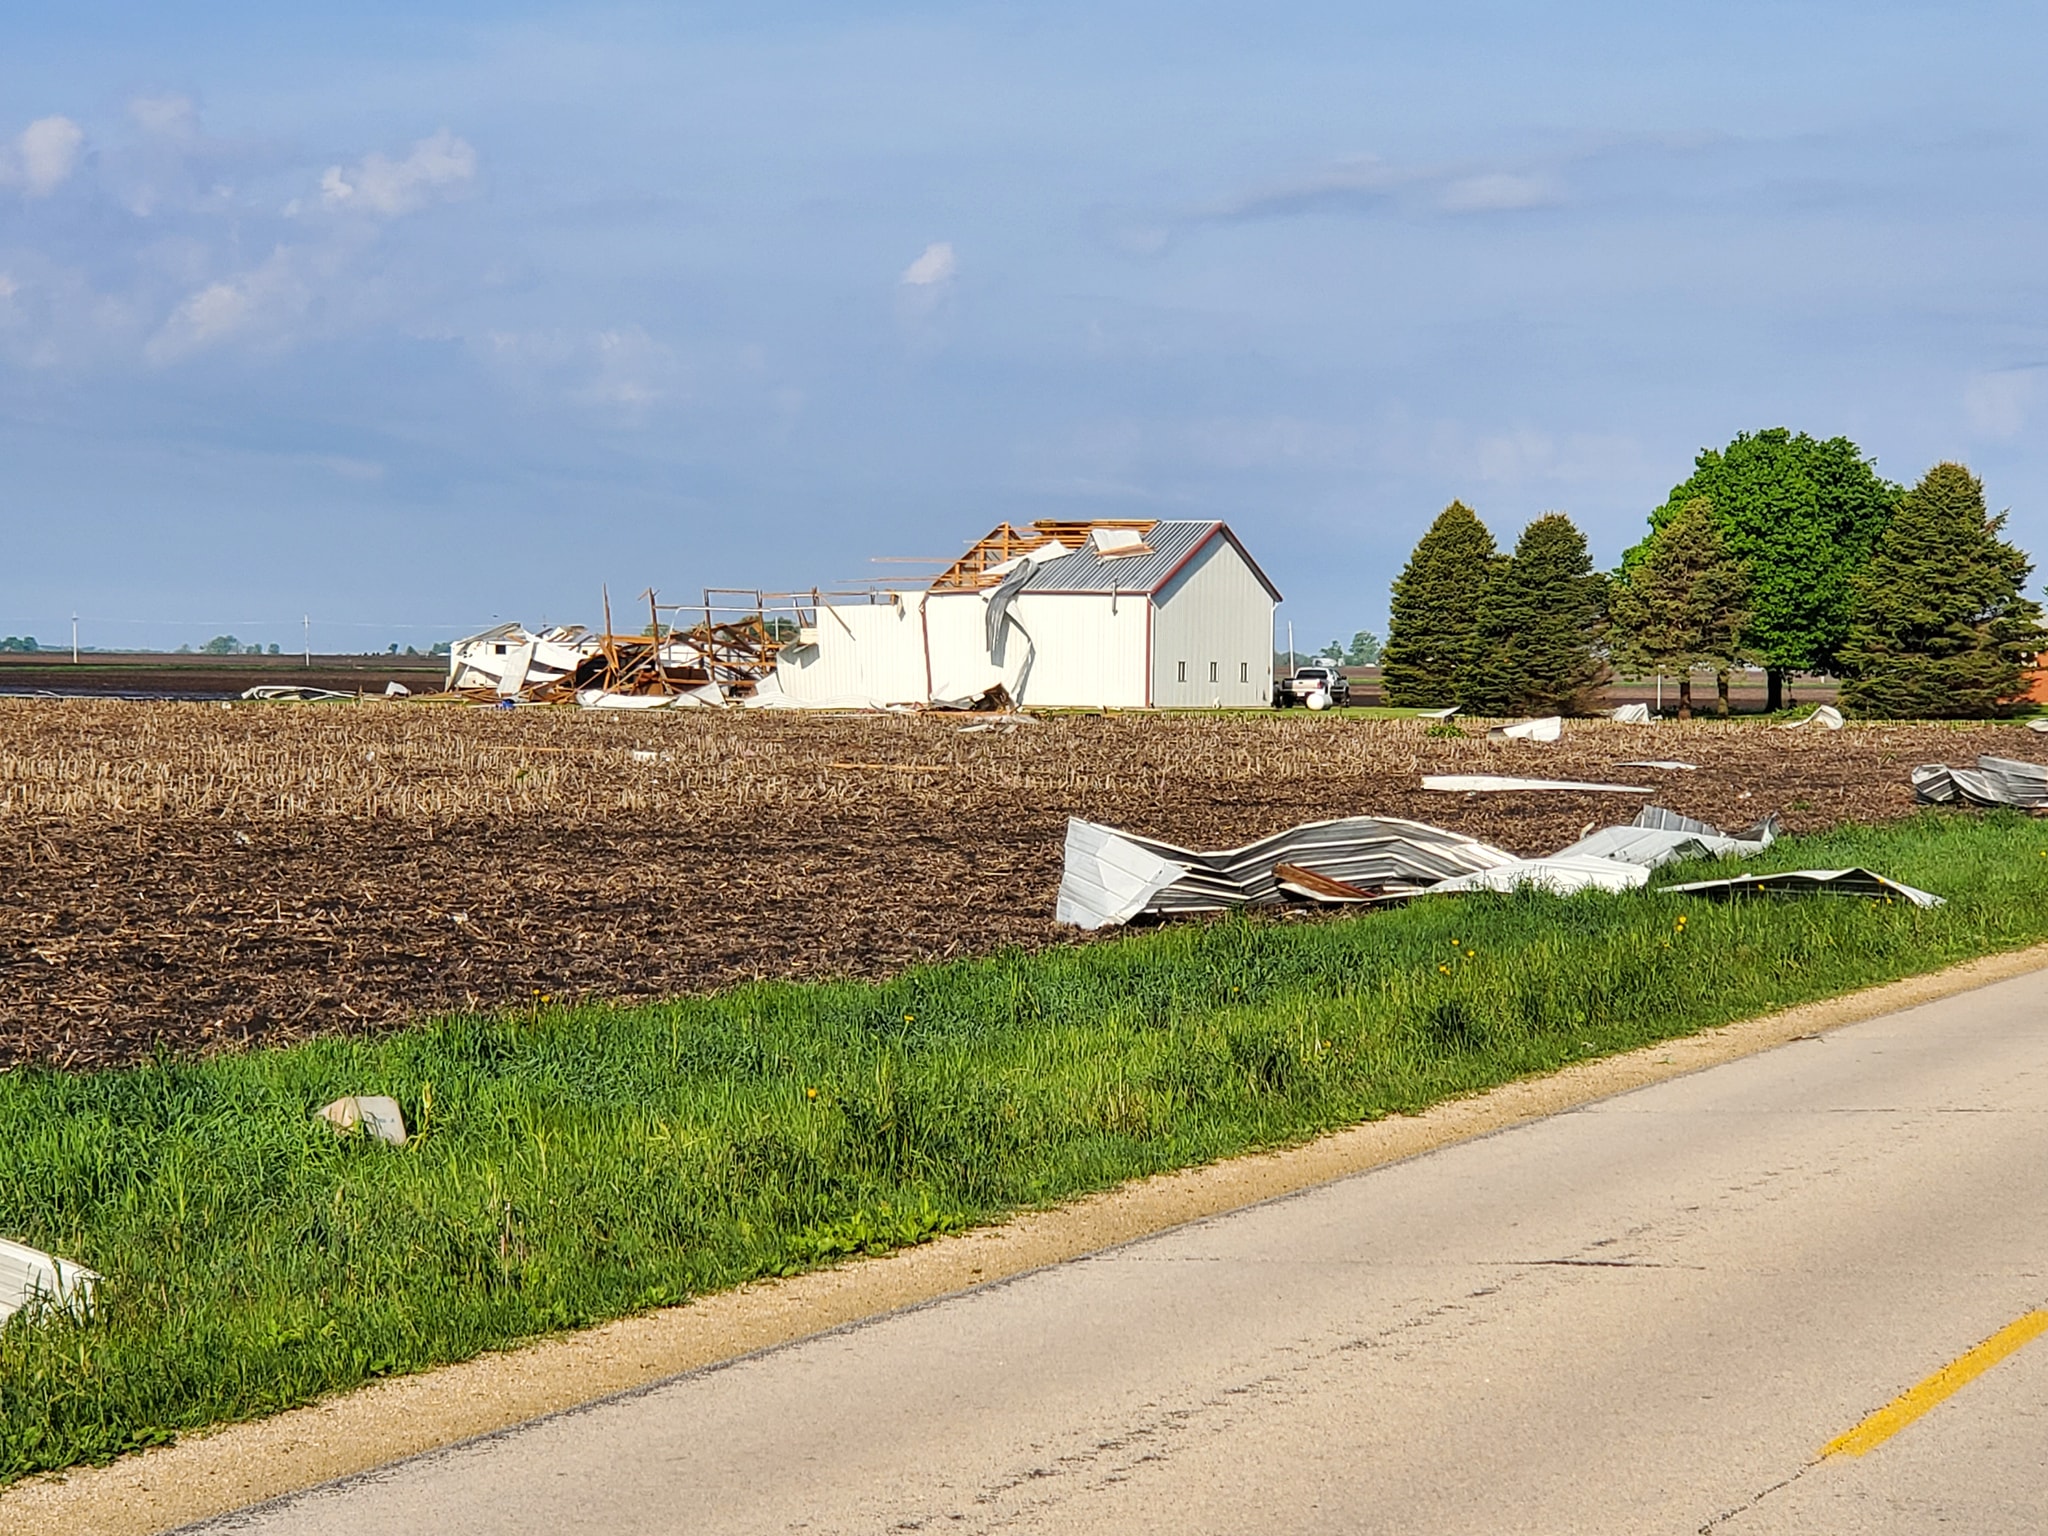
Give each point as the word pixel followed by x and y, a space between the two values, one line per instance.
pixel 1127 613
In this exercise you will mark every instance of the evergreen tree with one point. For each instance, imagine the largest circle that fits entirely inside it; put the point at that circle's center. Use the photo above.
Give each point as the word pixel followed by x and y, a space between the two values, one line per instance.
pixel 1436 611
pixel 1683 602
pixel 1539 626
pixel 1803 515
pixel 1941 626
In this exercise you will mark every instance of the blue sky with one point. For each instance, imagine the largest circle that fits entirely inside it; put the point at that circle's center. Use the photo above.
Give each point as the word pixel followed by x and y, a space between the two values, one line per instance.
pixel 412 317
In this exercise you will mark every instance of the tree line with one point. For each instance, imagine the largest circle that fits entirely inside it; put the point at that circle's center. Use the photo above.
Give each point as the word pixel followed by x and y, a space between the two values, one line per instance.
pixel 1779 550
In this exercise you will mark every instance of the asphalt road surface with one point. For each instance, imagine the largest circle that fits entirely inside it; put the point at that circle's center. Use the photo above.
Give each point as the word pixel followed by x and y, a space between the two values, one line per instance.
pixel 1652 1314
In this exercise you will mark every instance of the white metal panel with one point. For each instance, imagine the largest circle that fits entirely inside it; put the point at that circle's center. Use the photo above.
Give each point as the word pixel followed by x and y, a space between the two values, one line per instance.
pixel 863 651
pixel 1212 633
pixel 1083 651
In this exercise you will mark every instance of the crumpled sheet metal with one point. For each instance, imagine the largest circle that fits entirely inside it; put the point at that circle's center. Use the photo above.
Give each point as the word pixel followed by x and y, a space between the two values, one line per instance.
pixel 1111 877
pixel 1548 728
pixel 1658 837
pixel 1827 717
pixel 1562 874
pixel 1808 882
pixel 29 1277
pixel 1630 714
pixel 1995 781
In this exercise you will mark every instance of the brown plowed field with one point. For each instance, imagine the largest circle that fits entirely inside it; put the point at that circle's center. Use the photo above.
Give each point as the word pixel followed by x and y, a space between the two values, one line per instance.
pixel 202 877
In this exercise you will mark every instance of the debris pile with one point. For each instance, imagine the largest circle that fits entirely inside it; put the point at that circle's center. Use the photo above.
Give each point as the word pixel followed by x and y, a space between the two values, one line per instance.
pixel 1995 781
pixel 1111 877
pixel 715 662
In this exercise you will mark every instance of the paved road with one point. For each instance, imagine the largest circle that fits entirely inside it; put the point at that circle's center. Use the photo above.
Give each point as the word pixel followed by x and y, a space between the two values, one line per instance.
pixel 1648 1315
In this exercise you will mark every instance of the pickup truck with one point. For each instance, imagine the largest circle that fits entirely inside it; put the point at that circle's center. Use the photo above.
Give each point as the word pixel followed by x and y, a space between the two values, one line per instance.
pixel 1316 678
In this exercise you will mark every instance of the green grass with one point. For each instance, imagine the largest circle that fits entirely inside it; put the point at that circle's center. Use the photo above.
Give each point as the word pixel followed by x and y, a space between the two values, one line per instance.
pixel 576 1164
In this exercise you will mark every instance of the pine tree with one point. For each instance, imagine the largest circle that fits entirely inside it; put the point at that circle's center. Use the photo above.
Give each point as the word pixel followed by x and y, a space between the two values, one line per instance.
pixel 1941 627
pixel 1436 611
pixel 1683 601
pixel 1539 625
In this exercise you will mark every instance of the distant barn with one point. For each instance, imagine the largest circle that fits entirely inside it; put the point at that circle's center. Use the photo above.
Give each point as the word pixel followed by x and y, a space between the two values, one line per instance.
pixel 1120 614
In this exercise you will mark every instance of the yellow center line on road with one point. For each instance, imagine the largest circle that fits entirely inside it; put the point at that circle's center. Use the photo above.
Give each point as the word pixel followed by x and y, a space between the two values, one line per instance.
pixel 1938 1388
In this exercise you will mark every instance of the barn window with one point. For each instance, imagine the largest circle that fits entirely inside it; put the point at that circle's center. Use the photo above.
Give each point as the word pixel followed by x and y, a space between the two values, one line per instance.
pixel 1244 671
pixel 501 650
pixel 1183 677
pixel 1212 671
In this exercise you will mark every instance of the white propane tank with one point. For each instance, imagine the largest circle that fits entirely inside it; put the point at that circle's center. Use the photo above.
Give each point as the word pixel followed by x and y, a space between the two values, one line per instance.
pixel 1320 699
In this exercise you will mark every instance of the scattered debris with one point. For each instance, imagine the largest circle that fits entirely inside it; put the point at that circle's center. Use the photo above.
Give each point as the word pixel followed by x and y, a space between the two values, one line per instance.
pixel 1658 837
pixel 396 690
pixel 2039 723
pixel 30 1278
pixel 1630 714
pixel 373 1114
pixel 715 662
pixel 1808 882
pixel 1549 728
pixel 293 693
pixel 1994 781
pixel 1561 874
pixel 1827 716
pixel 1488 783
pixel 1436 714
pixel 1111 877
pixel 1670 765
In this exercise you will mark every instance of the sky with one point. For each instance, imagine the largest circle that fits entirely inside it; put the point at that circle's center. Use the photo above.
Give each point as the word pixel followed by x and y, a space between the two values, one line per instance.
pixel 411 318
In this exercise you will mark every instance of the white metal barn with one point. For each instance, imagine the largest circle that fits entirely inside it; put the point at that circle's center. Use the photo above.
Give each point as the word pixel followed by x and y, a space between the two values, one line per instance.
pixel 1094 614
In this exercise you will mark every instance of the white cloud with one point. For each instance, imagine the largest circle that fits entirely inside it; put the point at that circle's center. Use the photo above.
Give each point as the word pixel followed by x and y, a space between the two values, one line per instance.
pixel 437 166
pixel 255 305
pixel 43 155
pixel 935 264
pixel 1997 403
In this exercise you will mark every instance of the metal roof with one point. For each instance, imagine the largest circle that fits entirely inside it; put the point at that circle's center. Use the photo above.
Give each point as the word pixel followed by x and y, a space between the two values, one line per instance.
pixel 1174 543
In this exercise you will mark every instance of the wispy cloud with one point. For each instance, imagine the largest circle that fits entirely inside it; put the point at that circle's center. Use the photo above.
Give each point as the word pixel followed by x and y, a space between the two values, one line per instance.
pixel 437 167
pixel 935 264
pixel 1356 186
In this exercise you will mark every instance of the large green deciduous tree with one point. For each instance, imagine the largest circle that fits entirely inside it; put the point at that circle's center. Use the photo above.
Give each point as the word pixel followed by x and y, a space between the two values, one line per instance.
pixel 1803 515
pixel 1682 603
pixel 1539 628
pixel 1436 611
pixel 1941 626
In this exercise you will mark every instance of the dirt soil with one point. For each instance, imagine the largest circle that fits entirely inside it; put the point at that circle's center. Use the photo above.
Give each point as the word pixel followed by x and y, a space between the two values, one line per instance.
pixel 200 877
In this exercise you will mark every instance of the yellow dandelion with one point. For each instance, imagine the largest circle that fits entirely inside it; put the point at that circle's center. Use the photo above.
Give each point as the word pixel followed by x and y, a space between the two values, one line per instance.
pixel 810 1093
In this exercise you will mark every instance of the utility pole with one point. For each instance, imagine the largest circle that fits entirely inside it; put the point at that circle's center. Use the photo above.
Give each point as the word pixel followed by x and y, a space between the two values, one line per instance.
pixel 1290 647
pixel 309 639
pixel 74 639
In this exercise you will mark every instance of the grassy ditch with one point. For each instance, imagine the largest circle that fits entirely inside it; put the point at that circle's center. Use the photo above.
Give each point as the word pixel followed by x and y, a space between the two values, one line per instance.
pixel 576 1164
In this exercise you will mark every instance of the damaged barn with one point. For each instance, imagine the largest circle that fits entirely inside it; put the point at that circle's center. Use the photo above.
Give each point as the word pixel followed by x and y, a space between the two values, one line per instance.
pixel 1104 614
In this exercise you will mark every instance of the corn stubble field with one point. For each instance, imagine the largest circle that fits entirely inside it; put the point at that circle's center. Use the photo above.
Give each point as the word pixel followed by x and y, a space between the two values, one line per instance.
pixel 190 876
